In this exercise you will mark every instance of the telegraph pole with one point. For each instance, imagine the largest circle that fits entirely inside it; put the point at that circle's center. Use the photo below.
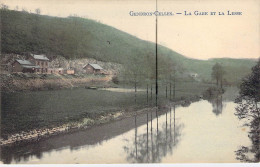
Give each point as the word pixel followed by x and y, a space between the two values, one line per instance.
pixel 174 86
pixel 156 58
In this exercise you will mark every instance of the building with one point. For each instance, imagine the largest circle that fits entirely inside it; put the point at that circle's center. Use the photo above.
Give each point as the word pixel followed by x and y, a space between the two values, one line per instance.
pixel 194 75
pixel 70 71
pixel 92 68
pixel 24 66
pixel 55 71
pixel 60 71
pixel 40 60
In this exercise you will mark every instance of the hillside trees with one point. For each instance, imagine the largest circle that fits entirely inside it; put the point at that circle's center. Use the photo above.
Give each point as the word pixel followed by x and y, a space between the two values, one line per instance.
pixel 167 70
pixel 38 11
pixel 134 71
pixel 76 38
pixel 217 74
pixel 248 109
pixel 250 87
pixel 3 6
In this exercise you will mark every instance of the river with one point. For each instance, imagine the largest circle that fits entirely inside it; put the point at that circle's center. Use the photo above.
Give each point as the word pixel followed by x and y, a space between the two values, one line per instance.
pixel 201 132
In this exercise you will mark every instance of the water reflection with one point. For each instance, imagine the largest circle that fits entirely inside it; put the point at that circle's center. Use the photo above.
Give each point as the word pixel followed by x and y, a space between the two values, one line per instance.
pixel 250 112
pixel 152 145
pixel 72 141
pixel 217 104
pixel 144 138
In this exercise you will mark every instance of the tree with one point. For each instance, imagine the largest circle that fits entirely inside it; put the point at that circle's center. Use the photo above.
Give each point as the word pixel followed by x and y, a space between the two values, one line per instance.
pixel 38 11
pixel 5 7
pixel 250 86
pixel 248 109
pixel 217 74
pixel 168 73
pixel 134 72
pixel 24 10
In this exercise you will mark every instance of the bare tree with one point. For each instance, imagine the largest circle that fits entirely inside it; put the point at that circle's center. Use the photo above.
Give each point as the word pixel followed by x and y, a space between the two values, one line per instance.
pixel 3 6
pixel 24 10
pixel 38 11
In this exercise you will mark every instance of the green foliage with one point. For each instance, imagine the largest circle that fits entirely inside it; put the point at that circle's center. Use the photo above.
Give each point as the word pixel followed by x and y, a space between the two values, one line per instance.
pixel 218 73
pixel 115 79
pixel 212 92
pixel 249 110
pixel 250 86
pixel 75 37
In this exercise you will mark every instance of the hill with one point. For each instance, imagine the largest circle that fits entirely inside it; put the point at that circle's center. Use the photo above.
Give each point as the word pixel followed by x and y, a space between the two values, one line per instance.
pixel 235 69
pixel 75 38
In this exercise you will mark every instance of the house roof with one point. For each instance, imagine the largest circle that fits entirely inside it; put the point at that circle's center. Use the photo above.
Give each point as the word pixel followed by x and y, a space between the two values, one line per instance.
pixel 24 62
pixel 27 64
pixel 95 66
pixel 40 57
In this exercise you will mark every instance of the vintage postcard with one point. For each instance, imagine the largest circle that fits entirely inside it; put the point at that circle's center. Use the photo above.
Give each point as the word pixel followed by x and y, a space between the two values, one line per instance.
pixel 130 81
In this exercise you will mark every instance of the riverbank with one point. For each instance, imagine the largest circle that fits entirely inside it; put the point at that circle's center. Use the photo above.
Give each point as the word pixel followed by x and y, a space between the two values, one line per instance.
pixel 39 134
pixel 16 82
pixel 36 135
pixel 29 113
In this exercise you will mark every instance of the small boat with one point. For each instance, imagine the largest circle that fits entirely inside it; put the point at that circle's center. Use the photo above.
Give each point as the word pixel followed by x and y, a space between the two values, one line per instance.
pixel 91 87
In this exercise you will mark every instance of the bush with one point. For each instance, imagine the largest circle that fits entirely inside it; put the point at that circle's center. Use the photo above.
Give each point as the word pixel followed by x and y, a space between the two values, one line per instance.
pixel 115 80
pixel 212 92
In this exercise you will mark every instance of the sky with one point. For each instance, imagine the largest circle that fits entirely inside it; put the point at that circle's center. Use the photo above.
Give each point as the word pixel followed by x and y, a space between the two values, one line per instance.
pixel 194 36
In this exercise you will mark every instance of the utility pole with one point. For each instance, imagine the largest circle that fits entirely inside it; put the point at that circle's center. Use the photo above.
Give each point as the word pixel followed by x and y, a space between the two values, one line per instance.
pixel 135 90
pixel 151 92
pixel 156 58
pixel 170 89
pixel 221 81
pixel 147 94
pixel 135 138
pixel 166 90
pixel 174 85
pixel 147 138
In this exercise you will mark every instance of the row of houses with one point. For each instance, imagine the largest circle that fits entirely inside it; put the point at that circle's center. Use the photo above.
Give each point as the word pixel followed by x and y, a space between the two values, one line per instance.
pixel 40 64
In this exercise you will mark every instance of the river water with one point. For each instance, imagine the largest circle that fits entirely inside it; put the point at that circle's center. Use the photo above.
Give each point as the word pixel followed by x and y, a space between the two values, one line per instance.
pixel 201 132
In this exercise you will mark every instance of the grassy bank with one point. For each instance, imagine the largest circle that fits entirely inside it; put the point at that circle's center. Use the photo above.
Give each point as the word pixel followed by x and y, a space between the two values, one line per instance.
pixel 23 111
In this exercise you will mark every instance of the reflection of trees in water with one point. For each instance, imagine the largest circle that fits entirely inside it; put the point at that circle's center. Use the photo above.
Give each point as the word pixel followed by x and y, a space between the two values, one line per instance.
pixel 249 110
pixel 7 155
pixel 70 141
pixel 217 104
pixel 154 144
pixel 251 153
